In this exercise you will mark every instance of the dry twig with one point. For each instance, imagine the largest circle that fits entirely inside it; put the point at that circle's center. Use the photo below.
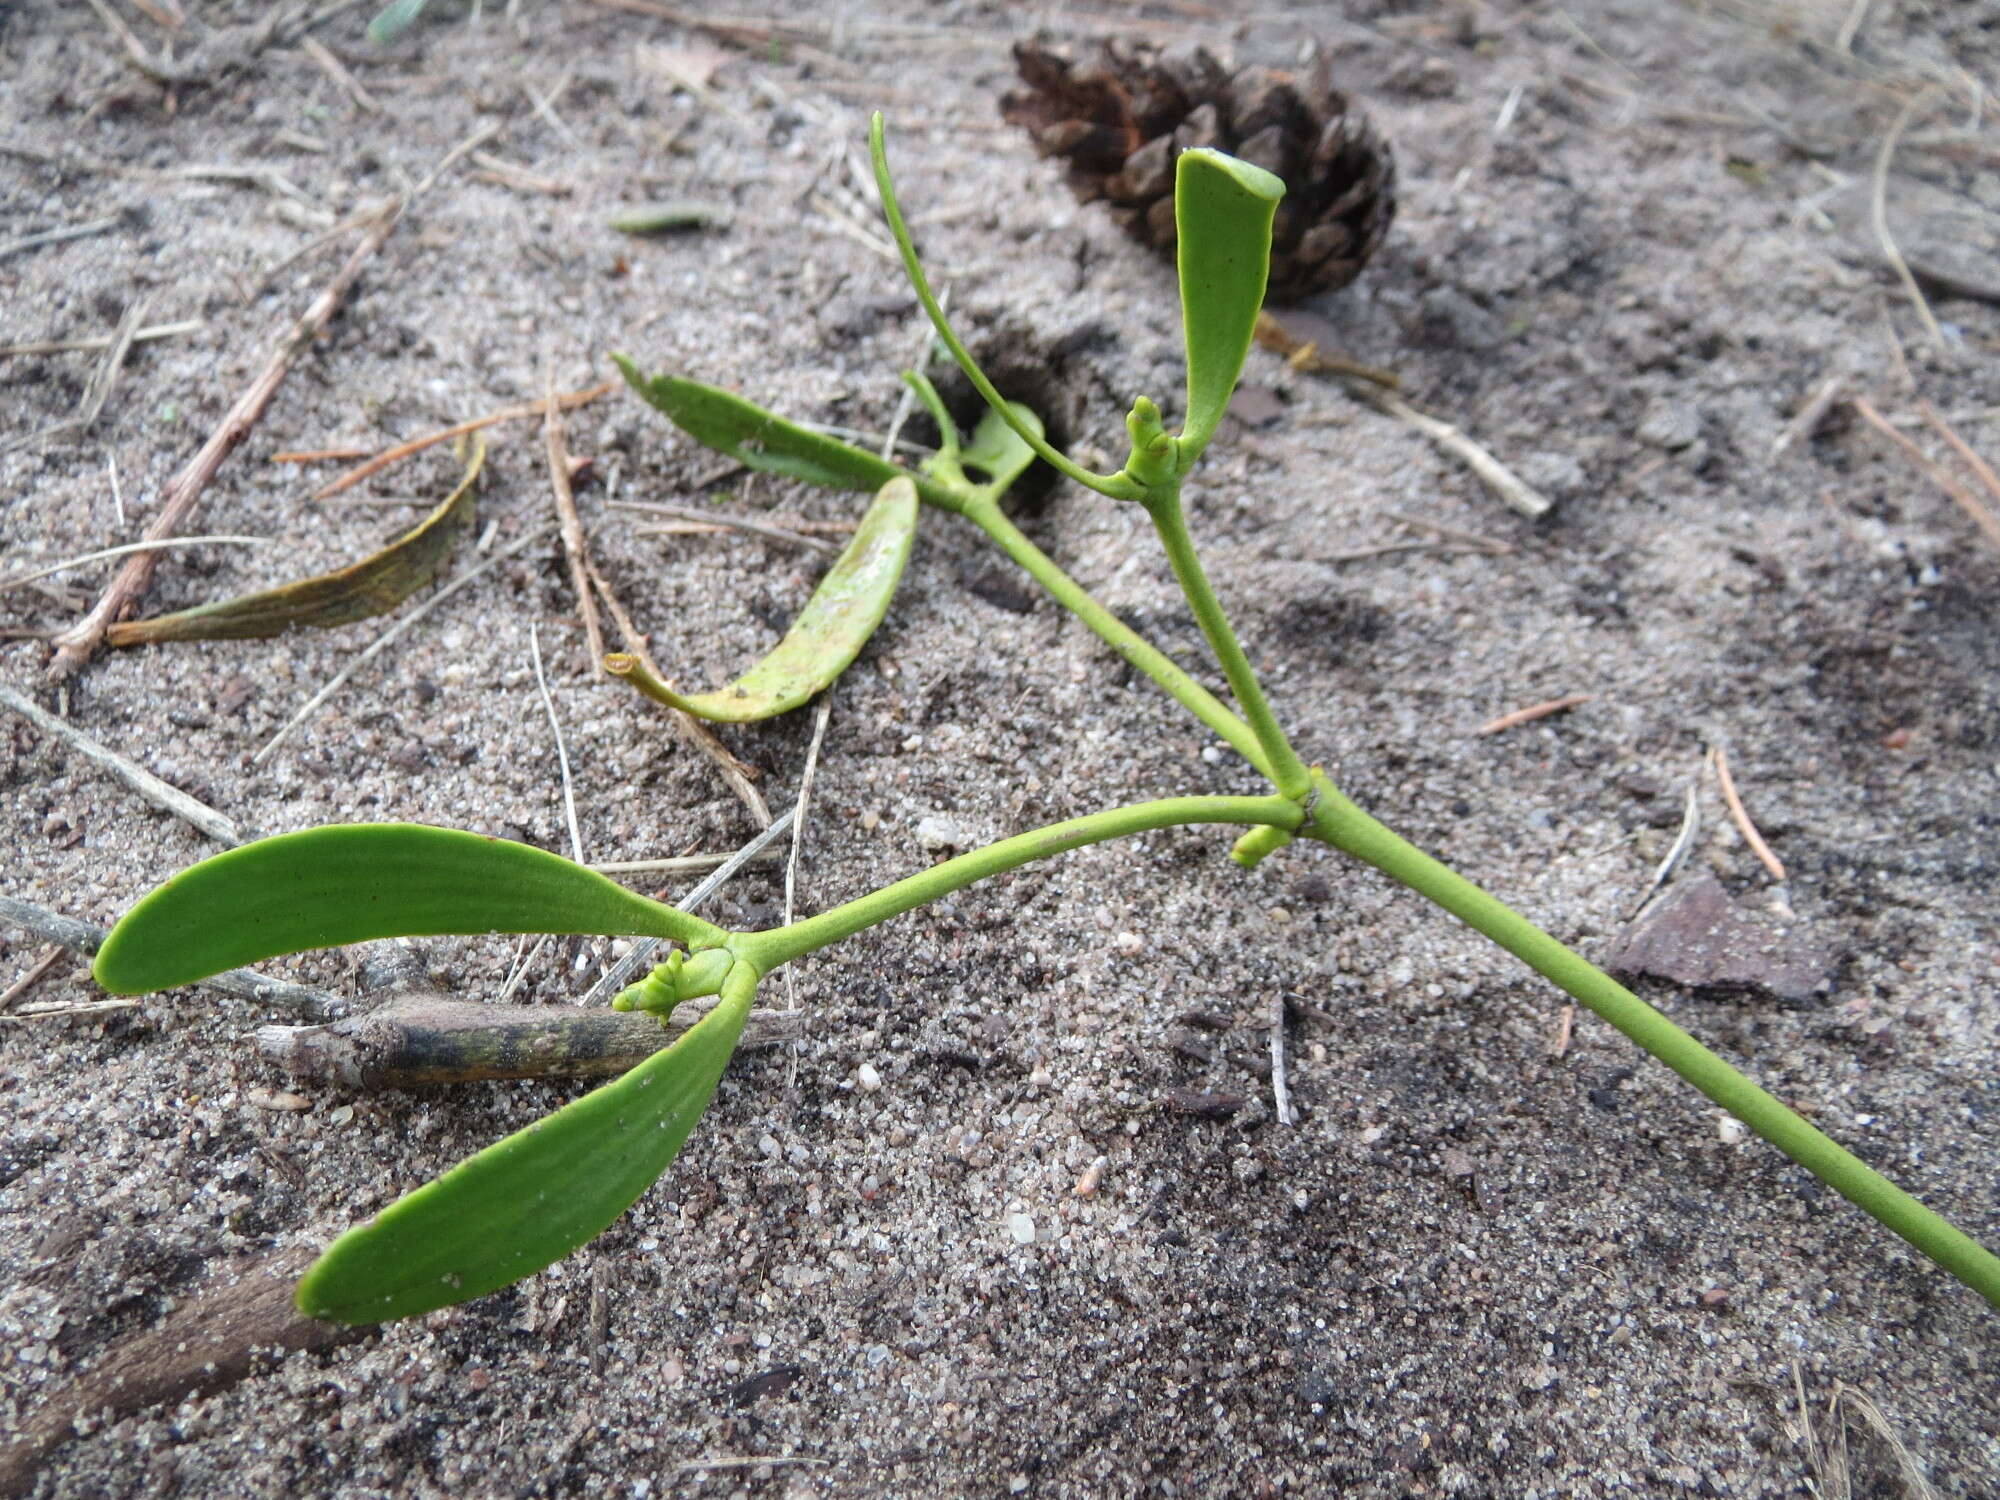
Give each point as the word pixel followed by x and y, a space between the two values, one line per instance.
pixel 1281 1093
pixel 76 645
pixel 1986 519
pixel 1802 426
pixel 562 750
pixel 1533 712
pixel 1719 758
pixel 124 550
pixel 218 826
pixel 1878 213
pixel 37 972
pixel 1495 475
pixel 402 451
pixel 101 340
pixel 721 521
pixel 571 524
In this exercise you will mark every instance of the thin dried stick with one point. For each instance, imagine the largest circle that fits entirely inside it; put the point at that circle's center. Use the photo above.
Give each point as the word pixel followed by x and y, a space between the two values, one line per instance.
pixel 1495 475
pixel 1533 712
pixel 124 550
pixel 562 750
pixel 105 379
pixel 1850 28
pixel 1677 853
pixel 820 718
pixel 343 80
pixel 1719 758
pixel 507 174
pixel 1305 354
pixel 243 984
pixel 1565 1028
pixel 321 456
pixel 62 232
pixel 690 729
pixel 571 523
pixel 716 520
pixel 1981 469
pixel 177 501
pixel 402 451
pixel 1281 1093
pixel 382 642
pixel 1966 501
pixel 1818 404
pixel 673 864
pixel 102 340
pixel 218 826
pixel 36 974
pixel 1878 213
pixel 68 1008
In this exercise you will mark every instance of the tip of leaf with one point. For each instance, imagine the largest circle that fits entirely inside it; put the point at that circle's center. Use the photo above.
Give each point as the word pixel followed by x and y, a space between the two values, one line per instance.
pixel 1251 178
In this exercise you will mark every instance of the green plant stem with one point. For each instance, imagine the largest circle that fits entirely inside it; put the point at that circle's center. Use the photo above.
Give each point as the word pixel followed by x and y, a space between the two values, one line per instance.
pixel 779 945
pixel 986 514
pixel 1339 822
pixel 1281 762
pixel 1115 485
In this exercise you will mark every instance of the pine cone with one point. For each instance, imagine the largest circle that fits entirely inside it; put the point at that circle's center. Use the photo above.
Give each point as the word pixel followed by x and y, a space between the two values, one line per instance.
pixel 1120 120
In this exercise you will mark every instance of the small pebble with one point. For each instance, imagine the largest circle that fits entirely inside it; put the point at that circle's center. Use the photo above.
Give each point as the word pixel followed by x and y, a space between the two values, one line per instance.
pixel 279 1101
pixel 1092 1178
pixel 1129 944
pixel 1022 1228
pixel 868 1078
pixel 1731 1130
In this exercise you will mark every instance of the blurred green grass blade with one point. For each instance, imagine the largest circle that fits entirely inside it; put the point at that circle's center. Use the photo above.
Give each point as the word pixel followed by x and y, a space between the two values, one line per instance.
pixel 329 886
pixel 1223 209
pixel 765 441
pixel 829 632
pixel 393 20
pixel 373 586
pixel 525 1202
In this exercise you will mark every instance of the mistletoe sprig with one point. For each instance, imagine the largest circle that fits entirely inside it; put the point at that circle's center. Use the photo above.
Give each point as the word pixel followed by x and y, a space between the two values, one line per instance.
pixel 534 1197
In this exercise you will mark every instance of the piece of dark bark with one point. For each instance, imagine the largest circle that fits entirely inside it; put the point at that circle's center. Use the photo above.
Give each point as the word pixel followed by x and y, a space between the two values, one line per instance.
pixel 428 1039
pixel 1698 937
pixel 207 1344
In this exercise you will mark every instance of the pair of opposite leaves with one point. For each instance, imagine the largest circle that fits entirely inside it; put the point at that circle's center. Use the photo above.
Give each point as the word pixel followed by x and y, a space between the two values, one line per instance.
pixel 532 1198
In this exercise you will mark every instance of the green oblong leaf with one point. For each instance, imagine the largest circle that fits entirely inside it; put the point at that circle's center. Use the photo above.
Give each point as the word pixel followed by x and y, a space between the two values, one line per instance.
pixel 765 441
pixel 373 586
pixel 829 632
pixel 525 1202
pixel 1223 210
pixel 326 887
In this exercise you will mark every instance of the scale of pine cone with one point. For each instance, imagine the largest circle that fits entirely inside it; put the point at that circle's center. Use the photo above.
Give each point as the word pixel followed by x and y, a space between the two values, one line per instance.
pixel 1121 119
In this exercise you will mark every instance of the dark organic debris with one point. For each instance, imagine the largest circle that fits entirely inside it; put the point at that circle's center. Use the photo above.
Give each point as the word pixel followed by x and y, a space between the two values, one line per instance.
pixel 1698 937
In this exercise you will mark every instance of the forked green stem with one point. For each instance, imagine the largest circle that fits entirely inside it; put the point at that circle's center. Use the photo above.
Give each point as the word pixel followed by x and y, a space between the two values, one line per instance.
pixel 1117 486
pixel 779 945
pixel 1115 633
pixel 1339 822
pixel 1281 762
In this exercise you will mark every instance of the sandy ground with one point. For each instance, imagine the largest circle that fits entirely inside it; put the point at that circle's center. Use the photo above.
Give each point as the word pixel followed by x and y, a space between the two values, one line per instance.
pixel 1475 1265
